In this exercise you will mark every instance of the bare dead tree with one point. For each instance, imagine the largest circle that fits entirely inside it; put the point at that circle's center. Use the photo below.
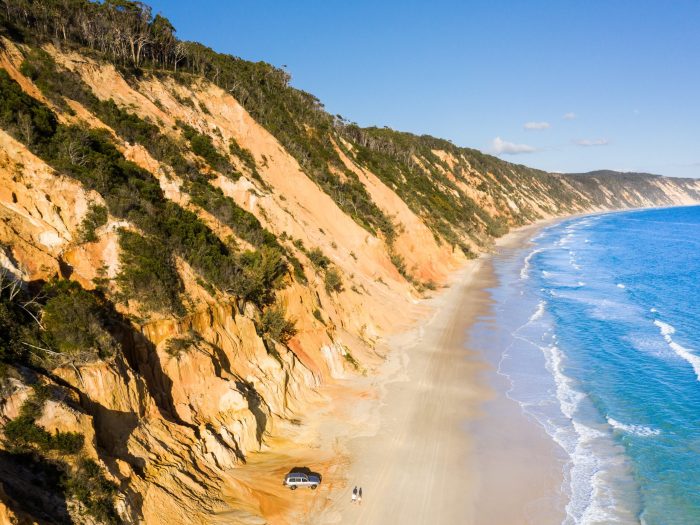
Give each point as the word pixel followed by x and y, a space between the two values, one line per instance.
pixel 74 151
pixel 179 54
pixel 9 284
pixel 26 127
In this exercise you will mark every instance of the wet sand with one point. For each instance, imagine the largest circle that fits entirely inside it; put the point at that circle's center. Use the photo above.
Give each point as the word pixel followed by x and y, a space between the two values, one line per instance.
pixel 444 444
pixel 517 467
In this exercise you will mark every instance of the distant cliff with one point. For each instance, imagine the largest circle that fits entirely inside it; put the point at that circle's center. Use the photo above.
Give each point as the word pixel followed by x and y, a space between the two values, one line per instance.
pixel 191 249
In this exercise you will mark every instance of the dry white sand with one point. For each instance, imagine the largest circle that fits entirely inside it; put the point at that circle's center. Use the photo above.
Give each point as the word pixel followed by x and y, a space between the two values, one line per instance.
pixel 442 446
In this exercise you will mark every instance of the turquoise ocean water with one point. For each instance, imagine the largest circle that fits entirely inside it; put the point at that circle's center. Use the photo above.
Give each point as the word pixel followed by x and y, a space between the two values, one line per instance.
pixel 602 316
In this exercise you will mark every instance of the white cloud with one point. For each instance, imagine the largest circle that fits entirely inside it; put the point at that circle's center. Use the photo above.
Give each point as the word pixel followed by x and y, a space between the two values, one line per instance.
pixel 592 142
pixel 569 116
pixel 536 125
pixel 498 145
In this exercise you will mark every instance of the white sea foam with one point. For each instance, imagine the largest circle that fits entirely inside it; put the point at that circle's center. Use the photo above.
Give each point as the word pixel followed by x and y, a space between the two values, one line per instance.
pixel 594 463
pixel 667 331
pixel 600 307
pixel 564 241
pixel 539 312
pixel 569 398
pixel 620 285
pixel 637 430
pixel 525 270
pixel 572 260
pixel 653 310
pixel 589 475
pixel 590 496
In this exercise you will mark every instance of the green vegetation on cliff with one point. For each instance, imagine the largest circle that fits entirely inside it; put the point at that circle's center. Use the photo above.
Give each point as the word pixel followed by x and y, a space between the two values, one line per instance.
pixel 132 193
pixel 54 323
pixel 295 117
pixel 24 434
pixel 127 34
pixel 79 478
pixel 49 325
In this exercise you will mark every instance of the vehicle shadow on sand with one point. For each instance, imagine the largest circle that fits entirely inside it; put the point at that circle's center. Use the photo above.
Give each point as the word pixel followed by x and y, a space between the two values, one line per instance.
pixel 307 471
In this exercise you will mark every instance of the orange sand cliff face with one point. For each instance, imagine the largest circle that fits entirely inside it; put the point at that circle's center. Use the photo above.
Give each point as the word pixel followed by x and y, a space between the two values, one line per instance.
pixel 234 403
pixel 206 435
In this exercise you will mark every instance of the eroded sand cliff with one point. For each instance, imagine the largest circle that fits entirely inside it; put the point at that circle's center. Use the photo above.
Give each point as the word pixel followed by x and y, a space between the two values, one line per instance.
pixel 206 433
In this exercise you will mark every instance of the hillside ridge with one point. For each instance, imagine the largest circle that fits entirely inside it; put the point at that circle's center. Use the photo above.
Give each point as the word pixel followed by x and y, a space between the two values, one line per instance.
pixel 197 261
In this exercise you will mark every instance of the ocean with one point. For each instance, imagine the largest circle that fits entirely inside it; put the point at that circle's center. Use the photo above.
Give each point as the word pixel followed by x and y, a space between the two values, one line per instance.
pixel 600 343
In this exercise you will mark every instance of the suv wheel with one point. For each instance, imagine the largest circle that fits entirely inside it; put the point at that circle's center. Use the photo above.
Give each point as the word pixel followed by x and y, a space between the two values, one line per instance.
pixel 293 487
pixel 313 487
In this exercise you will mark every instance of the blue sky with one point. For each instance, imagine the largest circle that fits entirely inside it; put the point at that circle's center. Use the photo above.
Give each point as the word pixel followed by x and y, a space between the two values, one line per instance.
pixel 496 76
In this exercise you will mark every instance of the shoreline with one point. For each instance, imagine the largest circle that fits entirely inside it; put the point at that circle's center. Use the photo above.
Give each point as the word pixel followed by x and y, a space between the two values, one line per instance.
pixel 430 449
pixel 431 434
pixel 519 468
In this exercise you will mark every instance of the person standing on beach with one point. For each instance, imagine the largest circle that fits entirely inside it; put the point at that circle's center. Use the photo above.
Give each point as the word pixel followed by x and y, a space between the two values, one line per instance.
pixel 353 498
pixel 359 496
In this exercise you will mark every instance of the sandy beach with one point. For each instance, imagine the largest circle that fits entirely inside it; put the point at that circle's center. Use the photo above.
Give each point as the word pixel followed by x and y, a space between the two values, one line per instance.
pixel 443 444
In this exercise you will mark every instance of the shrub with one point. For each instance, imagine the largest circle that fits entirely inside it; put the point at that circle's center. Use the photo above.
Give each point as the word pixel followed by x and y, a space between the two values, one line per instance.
pixel 95 217
pixel 89 486
pixel 265 270
pixel 39 66
pixel 245 224
pixel 148 273
pixel 16 326
pixel 247 157
pixel 77 321
pixel 22 432
pixel 496 227
pixel 298 270
pixel 333 281
pixel 318 259
pixel 203 146
pixel 242 153
pixel 274 324
pixel 177 345
pixel 399 264
pixel 350 359
pixel 68 442
pixel 24 117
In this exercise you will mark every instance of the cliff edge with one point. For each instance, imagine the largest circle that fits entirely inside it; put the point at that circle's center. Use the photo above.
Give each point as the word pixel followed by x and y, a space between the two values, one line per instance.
pixel 196 259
